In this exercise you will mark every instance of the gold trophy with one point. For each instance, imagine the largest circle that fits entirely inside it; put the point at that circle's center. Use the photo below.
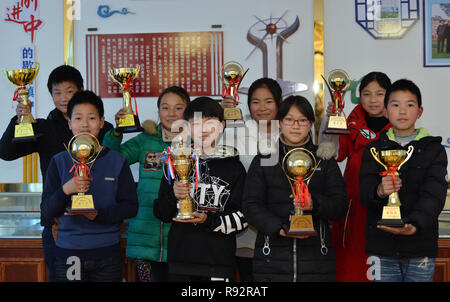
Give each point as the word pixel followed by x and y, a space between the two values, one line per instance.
pixel 124 77
pixel 232 75
pixel 338 83
pixel 392 160
pixel 22 77
pixel 183 164
pixel 83 149
pixel 299 165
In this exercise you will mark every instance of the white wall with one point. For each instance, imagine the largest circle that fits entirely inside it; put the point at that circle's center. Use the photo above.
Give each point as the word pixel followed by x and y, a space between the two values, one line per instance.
pixel 235 16
pixel 348 46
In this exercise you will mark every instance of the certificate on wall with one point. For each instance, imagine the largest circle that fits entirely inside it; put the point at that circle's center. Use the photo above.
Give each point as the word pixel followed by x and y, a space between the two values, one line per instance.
pixel 191 60
pixel 386 19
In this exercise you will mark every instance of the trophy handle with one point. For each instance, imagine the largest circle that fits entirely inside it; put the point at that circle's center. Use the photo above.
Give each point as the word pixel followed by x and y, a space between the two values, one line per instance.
pixel 239 84
pixel 409 153
pixel 375 156
pixel 329 88
pixel 4 73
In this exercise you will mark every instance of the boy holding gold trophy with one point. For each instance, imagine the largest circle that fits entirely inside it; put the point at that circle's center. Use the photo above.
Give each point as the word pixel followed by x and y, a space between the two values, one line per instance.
pixel 92 235
pixel 403 184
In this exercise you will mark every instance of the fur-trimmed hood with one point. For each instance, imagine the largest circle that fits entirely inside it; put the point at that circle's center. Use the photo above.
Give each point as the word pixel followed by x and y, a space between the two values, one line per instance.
pixel 150 127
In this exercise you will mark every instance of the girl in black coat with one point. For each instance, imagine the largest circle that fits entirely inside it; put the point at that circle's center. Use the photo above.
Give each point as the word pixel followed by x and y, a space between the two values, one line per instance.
pixel 268 203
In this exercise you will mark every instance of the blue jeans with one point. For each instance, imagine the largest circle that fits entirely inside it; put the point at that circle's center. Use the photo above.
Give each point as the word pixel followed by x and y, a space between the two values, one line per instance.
pixel 406 269
pixel 107 269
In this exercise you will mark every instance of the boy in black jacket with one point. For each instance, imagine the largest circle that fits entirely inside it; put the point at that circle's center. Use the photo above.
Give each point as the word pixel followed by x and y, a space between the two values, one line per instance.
pixel 406 253
pixel 203 248
pixel 63 82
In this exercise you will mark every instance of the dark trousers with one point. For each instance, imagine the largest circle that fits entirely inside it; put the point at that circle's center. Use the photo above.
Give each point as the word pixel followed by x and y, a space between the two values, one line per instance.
pixel 48 244
pixel 108 269
pixel 440 44
pixel 151 271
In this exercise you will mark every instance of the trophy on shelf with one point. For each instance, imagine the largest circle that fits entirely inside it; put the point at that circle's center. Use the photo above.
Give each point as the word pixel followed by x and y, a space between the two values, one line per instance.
pixel 299 165
pixel 232 75
pixel 181 160
pixel 125 77
pixel 83 149
pixel 23 131
pixel 338 83
pixel 392 160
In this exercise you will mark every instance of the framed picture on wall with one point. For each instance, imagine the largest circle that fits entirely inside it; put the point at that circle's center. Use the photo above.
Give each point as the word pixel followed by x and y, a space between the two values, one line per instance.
pixel 386 19
pixel 436 33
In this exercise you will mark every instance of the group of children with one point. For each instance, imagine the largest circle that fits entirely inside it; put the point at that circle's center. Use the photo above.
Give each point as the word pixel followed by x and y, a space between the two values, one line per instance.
pixel 242 203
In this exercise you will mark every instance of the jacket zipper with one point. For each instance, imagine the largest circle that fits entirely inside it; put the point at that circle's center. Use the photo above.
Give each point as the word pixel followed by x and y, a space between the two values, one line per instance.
pixel 294 248
pixel 161 237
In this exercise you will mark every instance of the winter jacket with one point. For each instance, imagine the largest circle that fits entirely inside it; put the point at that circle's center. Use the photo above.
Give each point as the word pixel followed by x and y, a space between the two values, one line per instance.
pixel 349 237
pixel 422 195
pixel 147 235
pixel 267 206
pixel 55 133
pixel 206 249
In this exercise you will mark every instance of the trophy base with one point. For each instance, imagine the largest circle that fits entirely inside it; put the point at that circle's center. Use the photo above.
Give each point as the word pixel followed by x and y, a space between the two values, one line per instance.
pixel 25 133
pixel 336 131
pixel 232 114
pixel 393 223
pixel 71 212
pixel 130 128
pixel 234 123
pixel 25 139
pixel 301 225
pixel 185 209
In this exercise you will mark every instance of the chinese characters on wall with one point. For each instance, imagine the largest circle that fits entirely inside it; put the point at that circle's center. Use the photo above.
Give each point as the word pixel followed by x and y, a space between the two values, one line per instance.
pixel 190 60
pixel 25 13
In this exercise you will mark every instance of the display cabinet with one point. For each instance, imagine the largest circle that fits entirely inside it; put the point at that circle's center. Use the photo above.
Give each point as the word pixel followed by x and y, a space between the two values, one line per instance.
pixel 442 266
pixel 21 253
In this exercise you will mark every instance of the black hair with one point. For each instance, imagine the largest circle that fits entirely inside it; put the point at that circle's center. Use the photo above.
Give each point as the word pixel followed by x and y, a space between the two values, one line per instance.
pixel 268 83
pixel 181 92
pixel 206 105
pixel 85 97
pixel 403 85
pixel 302 104
pixel 64 73
pixel 381 78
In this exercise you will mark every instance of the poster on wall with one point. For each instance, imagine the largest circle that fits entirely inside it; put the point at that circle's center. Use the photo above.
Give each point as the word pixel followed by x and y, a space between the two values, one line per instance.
pixel 191 60
pixel 386 19
pixel 26 15
pixel 436 33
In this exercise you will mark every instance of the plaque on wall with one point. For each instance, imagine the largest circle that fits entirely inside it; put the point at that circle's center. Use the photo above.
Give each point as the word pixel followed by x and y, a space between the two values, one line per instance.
pixel 191 60
pixel 386 19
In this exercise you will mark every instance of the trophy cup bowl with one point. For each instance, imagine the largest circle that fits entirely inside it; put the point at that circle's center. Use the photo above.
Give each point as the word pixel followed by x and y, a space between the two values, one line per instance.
pixel 392 159
pixel 83 150
pixel 124 77
pixel 183 165
pixel 24 131
pixel 232 75
pixel 338 79
pixel 299 164
pixel 338 83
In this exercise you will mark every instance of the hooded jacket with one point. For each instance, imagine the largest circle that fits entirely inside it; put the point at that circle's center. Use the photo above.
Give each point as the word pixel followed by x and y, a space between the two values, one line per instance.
pixel 147 235
pixel 422 195
pixel 54 132
pixel 267 206
pixel 206 249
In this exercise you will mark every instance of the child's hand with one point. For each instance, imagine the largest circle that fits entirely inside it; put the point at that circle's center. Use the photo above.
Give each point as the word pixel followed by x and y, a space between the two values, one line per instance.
pixel 79 184
pixel 308 206
pixel 22 110
pixel 120 114
pixel 198 218
pixel 180 190
pixel 406 230
pixel 228 102
pixel 386 187
pixel 329 110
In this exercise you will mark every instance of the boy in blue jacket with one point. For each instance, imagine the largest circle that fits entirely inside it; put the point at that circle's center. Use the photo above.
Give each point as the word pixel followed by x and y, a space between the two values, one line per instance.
pixel 88 245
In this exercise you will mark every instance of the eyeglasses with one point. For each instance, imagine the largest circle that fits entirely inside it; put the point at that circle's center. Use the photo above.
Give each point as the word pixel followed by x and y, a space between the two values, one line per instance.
pixel 290 121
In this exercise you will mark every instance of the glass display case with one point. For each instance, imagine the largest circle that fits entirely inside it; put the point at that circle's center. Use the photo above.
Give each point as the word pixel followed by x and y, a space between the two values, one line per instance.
pixel 20 210
pixel 444 219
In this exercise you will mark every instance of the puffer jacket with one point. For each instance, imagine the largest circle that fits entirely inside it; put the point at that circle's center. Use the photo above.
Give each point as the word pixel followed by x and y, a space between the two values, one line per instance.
pixel 267 206
pixel 147 235
pixel 424 188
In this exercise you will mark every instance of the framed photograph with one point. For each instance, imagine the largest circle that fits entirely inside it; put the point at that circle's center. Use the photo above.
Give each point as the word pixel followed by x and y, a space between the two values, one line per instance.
pixel 386 19
pixel 436 33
